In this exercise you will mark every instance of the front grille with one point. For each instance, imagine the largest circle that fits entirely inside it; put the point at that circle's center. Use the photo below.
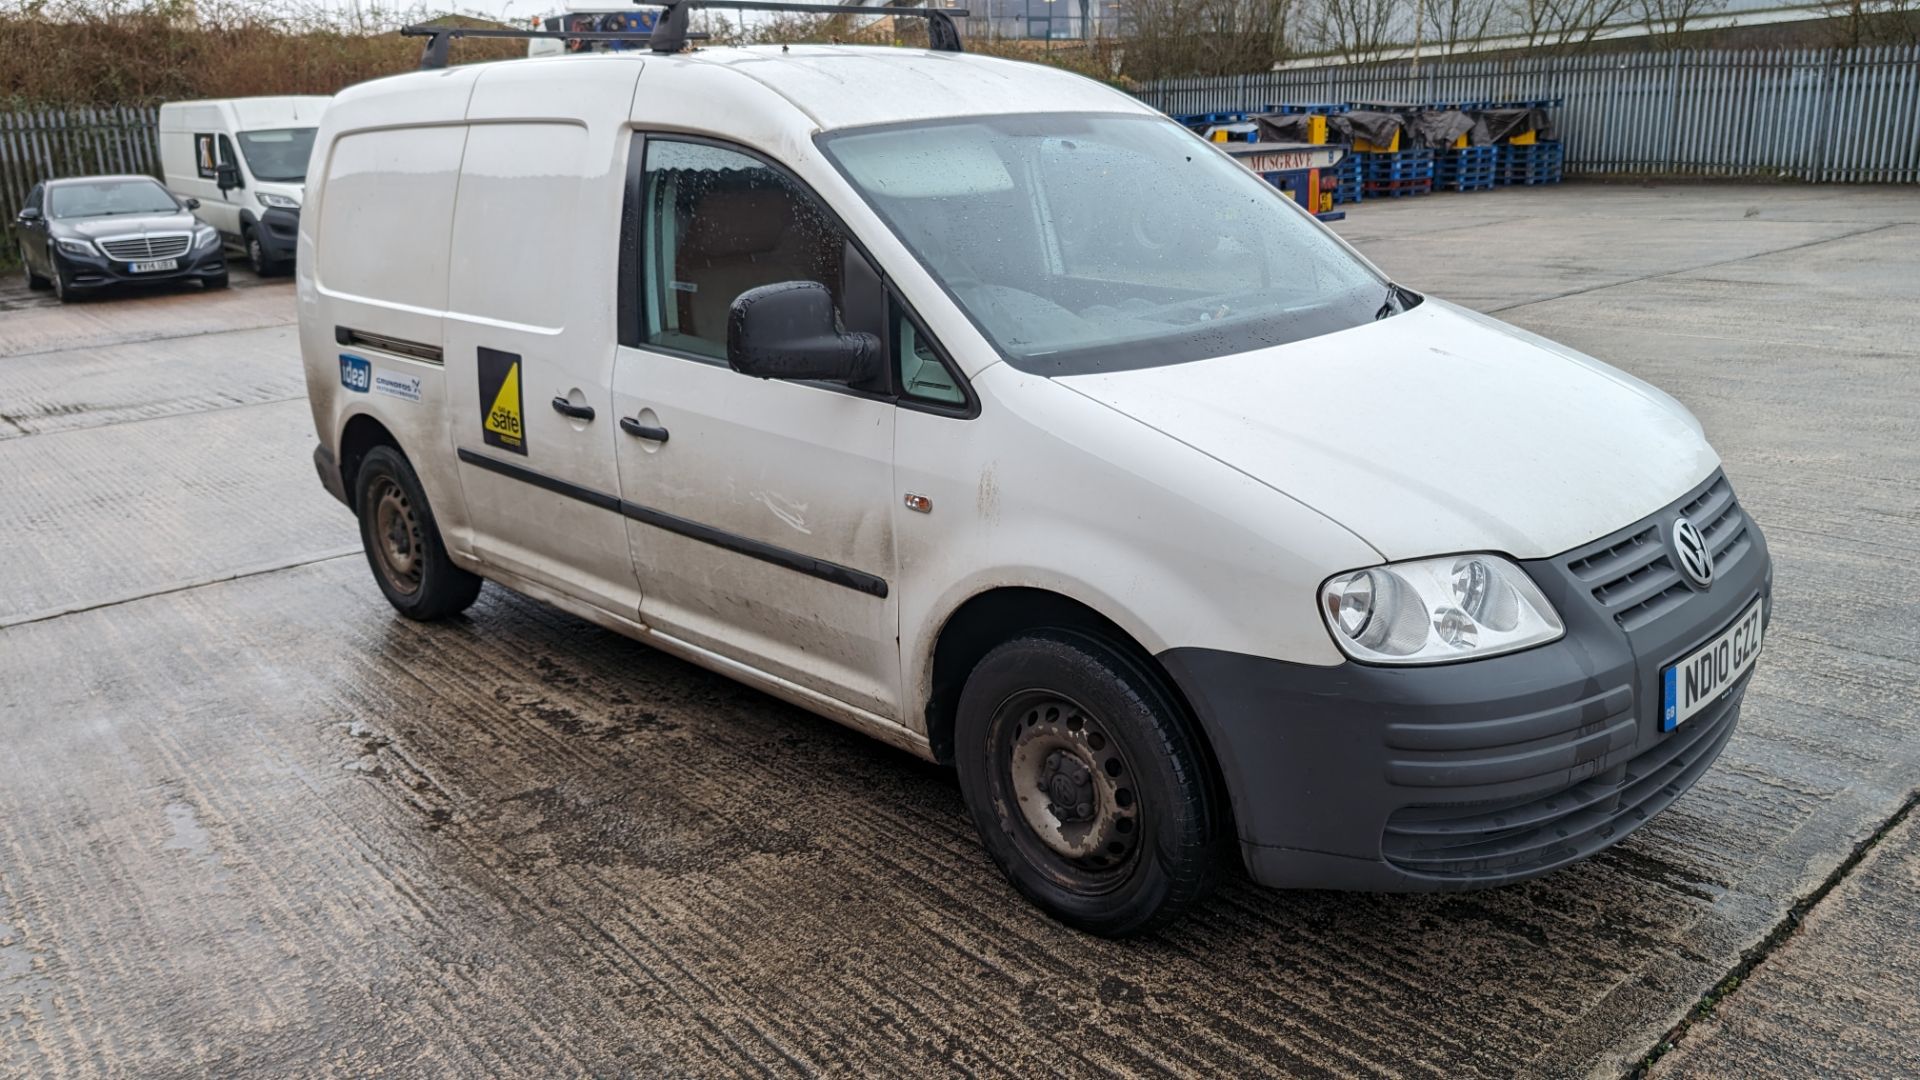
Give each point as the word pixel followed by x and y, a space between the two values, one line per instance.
pixel 138 248
pixel 1514 836
pixel 1634 578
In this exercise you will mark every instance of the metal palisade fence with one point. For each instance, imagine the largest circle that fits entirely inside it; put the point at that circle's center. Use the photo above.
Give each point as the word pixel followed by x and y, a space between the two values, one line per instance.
pixel 39 144
pixel 1822 115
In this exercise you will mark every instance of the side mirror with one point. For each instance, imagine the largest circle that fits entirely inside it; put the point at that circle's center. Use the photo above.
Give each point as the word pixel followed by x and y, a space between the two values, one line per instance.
pixel 787 331
pixel 193 204
pixel 226 175
pixel 31 213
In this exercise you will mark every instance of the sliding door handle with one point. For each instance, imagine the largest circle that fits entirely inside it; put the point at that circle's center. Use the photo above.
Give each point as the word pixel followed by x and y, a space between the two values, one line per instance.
pixel 567 408
pixel 643 431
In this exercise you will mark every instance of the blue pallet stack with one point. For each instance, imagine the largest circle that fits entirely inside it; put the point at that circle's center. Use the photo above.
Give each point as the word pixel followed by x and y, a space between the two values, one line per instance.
pixel 1392 175
pixel 1466 168
pixel 1536 163
pixel 1346 180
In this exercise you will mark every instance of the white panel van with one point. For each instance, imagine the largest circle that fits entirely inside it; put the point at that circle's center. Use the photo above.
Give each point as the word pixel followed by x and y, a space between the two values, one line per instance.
pixel 245 159
pixel 984 409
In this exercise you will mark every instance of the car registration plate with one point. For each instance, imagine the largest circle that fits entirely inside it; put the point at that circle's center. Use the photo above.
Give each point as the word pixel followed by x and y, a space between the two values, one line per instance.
pixel 154 267
pixel 1703 675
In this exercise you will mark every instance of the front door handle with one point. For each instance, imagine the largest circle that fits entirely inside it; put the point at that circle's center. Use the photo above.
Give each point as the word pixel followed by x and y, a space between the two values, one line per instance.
pixel 567 408
pixel 642 431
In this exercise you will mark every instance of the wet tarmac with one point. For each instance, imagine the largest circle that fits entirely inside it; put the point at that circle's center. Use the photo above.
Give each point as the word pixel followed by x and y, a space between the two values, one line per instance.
pixel 255 824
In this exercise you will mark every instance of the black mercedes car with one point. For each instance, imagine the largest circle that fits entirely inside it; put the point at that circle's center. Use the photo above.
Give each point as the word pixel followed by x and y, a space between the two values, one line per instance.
pixel 91 231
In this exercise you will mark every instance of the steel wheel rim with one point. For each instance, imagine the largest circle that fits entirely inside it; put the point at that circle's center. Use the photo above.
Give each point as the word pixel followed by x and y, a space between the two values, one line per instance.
pixel 256 254
pixel 395 538
pixel 1069 784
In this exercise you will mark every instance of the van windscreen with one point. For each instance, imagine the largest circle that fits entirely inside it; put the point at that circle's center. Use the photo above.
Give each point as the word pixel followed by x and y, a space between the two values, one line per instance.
pixel 1102 242
pixel 278 154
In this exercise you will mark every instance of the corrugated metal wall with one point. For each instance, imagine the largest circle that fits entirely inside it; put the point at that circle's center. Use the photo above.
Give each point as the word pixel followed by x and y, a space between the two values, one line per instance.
pixel 1825 115
pixel 41 144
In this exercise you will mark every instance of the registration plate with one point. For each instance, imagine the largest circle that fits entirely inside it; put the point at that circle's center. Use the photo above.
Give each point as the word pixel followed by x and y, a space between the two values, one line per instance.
pixel 1709 671
pixel 154 267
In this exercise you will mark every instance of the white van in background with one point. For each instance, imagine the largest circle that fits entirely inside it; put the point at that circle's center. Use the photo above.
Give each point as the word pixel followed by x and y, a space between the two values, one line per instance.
pixel 245 159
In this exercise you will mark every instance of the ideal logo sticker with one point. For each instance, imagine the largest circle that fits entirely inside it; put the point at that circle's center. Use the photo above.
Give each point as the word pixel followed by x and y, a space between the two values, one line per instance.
pixel 502 422
pixel 355 373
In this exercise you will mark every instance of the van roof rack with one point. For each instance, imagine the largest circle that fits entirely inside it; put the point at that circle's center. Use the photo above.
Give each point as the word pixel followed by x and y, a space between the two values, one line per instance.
pixel 670 28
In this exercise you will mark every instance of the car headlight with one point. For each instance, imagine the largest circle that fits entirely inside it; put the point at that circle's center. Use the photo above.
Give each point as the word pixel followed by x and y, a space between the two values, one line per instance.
pixel 277 202
pixel 205 236
pixel 75 247
pixel 1429 611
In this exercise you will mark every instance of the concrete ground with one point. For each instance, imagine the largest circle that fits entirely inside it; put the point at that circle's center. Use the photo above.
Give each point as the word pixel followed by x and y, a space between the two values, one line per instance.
pixel 253 823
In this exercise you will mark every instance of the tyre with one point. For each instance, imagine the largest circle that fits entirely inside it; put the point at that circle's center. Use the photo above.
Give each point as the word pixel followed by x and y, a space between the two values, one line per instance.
pixel 34 281
pixel 402 541
pixel 1088 786
pixel 61 291
pixel 217 281
pixel 257 253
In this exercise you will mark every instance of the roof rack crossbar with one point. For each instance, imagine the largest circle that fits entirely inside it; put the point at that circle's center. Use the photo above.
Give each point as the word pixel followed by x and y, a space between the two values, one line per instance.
pixel 434 55
pixel 670 30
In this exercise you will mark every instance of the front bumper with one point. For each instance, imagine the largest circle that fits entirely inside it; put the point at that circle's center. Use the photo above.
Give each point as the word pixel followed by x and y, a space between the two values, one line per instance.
pixel 95 271
pixel 279 233
pixel 1478 773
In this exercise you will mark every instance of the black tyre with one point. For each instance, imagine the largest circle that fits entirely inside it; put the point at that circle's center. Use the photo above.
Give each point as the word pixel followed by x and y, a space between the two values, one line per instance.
pixel 61 290
pixel 257 253
pixel 217 281
pixel 403 543
pixel 34 281
pixel 1088 786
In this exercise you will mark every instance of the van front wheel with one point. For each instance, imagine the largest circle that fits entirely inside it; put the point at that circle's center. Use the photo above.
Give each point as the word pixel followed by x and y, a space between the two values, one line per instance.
pixel 1087 785
pixel 403 546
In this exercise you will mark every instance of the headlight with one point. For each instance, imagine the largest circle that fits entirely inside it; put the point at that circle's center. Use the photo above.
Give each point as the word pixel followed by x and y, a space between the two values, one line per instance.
pixel 278 202
pixel 1432 610
pixel 205 236
pixel 75 247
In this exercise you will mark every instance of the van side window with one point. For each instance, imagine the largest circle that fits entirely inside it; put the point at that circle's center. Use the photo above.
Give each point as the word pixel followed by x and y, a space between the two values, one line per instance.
pixel 203 155
pixel 922 374
pixel 718 223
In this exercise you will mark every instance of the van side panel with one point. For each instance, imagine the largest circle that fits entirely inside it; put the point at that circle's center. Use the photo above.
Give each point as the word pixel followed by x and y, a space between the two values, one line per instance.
pixel 373 268
pixel 533 275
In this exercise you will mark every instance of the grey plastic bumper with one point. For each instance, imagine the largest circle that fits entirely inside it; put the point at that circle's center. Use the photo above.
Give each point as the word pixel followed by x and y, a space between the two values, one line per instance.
pixel 1473 774
pixel 279 234
pixel 330 478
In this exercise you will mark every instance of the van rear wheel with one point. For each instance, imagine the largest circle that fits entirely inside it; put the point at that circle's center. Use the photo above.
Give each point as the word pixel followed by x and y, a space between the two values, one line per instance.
pixel 1086 783
pixel 402 542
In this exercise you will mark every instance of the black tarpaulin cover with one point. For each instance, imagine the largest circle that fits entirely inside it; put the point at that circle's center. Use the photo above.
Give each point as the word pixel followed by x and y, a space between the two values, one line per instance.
pixel 1438 128
pixel 1492 125
pixel 1378 128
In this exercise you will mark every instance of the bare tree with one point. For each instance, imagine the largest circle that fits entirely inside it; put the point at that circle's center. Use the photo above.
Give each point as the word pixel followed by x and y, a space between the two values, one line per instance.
pixel 1667 20
pixel 1173 38
pixel 1360 31
pixel 1853 23
pixel 1565 24
pixel 1449 24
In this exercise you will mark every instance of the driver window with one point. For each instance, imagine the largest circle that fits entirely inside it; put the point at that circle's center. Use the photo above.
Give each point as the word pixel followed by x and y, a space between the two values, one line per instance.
pixel 719 222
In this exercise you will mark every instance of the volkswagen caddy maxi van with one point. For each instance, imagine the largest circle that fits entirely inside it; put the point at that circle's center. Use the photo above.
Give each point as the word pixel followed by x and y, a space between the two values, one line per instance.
pixel 981 408
pixel 245 160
